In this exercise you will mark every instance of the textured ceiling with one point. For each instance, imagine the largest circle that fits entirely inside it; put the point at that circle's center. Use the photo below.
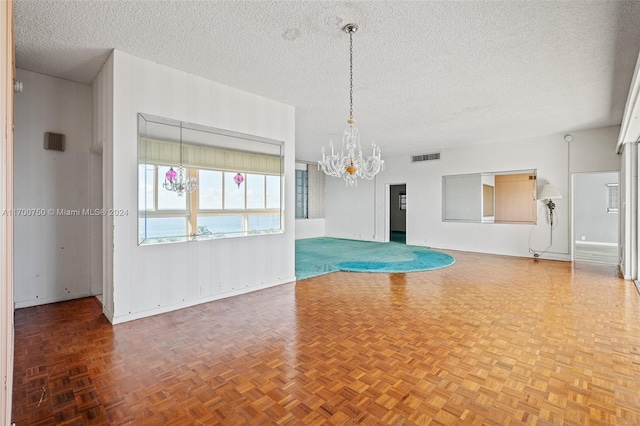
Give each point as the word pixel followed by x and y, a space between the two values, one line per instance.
pixel 426 74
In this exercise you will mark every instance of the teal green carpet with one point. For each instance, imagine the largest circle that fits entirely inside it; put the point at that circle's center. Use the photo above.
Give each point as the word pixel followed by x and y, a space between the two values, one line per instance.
pixel 317 256
pixel 398 237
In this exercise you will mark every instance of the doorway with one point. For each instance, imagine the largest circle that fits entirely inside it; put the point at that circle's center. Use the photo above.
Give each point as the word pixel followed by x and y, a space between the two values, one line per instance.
pixel 596 217
pixel 398 213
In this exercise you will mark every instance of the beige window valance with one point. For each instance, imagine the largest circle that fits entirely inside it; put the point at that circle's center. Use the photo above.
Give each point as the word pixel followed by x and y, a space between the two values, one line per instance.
pixel 157 151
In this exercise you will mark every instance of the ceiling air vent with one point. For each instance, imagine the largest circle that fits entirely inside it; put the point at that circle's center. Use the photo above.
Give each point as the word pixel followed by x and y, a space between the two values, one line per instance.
pixel 54 141
pixel 425 157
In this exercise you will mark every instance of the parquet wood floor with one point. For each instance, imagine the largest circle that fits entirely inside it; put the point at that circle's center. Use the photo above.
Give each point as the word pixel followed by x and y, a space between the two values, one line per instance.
pixel 488 341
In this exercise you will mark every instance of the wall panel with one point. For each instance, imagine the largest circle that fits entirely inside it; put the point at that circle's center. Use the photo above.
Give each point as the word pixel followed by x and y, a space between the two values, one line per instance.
pixel 52 255
pixel 361 213
pixel 159 278
pixel 103 142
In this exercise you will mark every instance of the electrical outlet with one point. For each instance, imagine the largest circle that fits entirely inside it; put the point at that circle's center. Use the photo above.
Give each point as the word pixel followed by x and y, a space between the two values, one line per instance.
pixel 583 238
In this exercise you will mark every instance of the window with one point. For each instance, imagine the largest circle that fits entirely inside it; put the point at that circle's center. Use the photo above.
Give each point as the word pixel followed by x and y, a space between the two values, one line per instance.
pixel 227 224
pixel 251 206
pixel 255 191
pixel 168 201
pixel 612 193
pixel 238 180
pixel 219 206
pixel 309 194
pixel 165 214
pixel 403 201
pixel 210 186
pixel 273 192
pixel 233 193
pixel 302 194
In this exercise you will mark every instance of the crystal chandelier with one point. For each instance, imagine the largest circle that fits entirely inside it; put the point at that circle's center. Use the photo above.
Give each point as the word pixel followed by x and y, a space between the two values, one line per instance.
pixel 178 181
pixel 349 162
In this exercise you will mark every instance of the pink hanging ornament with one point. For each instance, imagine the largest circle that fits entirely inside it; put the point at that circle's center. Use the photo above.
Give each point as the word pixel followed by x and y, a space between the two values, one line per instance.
pixel 171 175
pixel 238 179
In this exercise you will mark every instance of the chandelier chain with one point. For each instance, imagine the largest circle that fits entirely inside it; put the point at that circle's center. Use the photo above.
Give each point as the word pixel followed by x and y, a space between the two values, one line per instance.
pixel 180 144
pixel 351 74
pixel 179 181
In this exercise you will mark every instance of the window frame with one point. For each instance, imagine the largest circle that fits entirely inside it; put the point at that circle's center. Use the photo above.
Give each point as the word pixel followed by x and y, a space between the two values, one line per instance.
pixel 609 194
pixel 302 191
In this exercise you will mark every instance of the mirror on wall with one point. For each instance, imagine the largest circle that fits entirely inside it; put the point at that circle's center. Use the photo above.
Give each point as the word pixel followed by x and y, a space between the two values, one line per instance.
pixel 492 197
pixel 199 183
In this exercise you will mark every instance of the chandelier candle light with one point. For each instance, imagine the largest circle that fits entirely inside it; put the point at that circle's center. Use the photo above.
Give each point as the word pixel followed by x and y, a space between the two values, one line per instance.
pixel 179 182
pixel 349 162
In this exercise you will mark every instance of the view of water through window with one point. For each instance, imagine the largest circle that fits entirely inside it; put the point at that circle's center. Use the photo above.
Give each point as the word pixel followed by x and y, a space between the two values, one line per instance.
pixel 225 205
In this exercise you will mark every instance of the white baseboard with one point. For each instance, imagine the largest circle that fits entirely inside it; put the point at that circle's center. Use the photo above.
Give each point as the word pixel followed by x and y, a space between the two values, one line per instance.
pixel 52 299
pixel 118 319
pixel 596 243
pixel 107 313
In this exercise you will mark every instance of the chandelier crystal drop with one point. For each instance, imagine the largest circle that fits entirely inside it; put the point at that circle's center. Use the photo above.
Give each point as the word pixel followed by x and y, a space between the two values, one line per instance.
pixel 179 182
pixel 349 162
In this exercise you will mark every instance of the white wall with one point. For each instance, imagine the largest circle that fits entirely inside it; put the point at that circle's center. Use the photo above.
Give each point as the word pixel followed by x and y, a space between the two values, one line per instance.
pixel 52 251
pixel 629 210
pixel 95 223
pixel 359 212
pixel 349 211
pixel 152 279
pixel 102 141
pixel 592 222
pixel 309 228
pixel 595 150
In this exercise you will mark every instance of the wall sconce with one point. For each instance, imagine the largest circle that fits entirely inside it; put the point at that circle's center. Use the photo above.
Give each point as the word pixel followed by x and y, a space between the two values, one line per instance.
pixel 550 192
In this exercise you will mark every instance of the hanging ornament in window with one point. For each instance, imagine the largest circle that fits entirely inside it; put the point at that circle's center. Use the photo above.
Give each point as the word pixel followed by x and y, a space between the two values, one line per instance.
pixel 171 175
pixel 238 179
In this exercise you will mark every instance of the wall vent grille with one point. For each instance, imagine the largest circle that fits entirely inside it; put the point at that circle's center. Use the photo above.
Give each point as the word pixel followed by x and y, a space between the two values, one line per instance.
pixel 54 141
pixel 425 157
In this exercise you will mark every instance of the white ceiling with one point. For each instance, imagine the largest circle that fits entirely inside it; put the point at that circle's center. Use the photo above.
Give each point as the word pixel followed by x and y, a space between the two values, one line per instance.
pixel 427 74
